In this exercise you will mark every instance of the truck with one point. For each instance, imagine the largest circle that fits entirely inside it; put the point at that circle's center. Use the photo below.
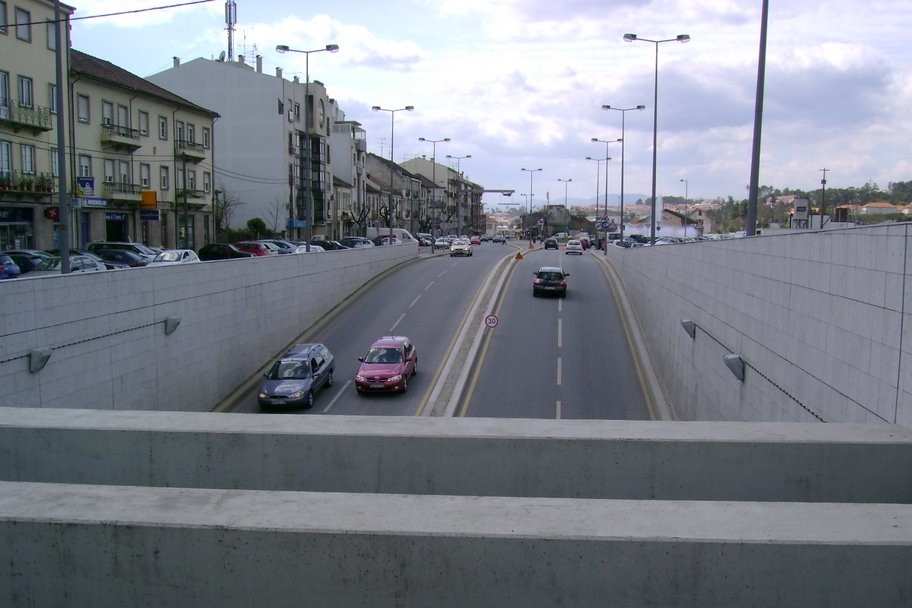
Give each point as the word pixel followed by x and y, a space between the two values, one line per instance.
pixel 404 236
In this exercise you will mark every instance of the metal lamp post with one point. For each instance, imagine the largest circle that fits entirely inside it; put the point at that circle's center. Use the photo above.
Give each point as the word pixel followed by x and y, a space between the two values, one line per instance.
pixel 531 173
pixel 306 174
pixel 566 184
pixel 598 162
pixel 459 173
pixel 607 143
pixel 684 179
pixel 683 38
pixel 392 143
pixel 434 143
pixel 623 112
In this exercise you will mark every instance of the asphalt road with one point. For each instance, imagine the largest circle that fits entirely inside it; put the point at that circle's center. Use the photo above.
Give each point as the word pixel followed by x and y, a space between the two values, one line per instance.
pixel 547 358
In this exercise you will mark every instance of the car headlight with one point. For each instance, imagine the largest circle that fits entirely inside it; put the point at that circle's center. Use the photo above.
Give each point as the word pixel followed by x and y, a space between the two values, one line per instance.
pixel 296 395
pixel 262 395
pixel 395 378
pixel 359 378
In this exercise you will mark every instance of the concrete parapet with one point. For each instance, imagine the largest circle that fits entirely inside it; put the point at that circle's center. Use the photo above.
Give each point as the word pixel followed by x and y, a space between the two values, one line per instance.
pixel 470 457
pixel 88 545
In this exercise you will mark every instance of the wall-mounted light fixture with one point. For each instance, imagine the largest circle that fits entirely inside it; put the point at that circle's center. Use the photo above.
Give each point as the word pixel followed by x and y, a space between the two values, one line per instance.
pixel 38 358
pixel 690 327
pixel 736 365
pixel 171 324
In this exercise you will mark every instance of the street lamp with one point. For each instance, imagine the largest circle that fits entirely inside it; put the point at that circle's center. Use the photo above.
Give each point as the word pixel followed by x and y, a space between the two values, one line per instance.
pixel 607 143
pixel 531 173
pixel 623 112
pixel 459 174
pixel 434 165
pixel 392 142
pixel 306 174
pixel 684 179
pixel 598 168
pixel 566 184
pixel 683 38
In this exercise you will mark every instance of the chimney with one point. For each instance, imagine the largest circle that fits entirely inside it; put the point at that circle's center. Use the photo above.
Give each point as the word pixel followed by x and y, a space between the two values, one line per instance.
pixel 278 72
pixel 297 79
pixel 242 59
pixel 259 64
pixel 177 61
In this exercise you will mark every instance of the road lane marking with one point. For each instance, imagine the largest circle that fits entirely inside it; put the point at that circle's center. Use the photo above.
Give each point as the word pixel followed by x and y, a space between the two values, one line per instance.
pixel 559 365
pixel 399 320
pixel 429 285
pixel 336 398
pixel 560 333
pixel 557 413
pixel 418 297
pixel 560 305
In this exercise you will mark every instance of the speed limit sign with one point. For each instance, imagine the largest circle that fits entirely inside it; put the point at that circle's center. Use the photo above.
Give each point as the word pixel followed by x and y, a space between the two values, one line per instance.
pixel 491 320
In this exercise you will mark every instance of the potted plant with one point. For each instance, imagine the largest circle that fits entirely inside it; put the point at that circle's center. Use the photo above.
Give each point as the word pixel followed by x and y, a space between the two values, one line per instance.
pixel 6 181
pixel 44 183
pixel 26 182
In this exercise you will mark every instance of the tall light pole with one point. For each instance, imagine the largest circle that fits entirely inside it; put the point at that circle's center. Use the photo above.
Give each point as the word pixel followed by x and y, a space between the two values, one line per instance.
pixel 598 176
pixel 392 113
pixel 531 173
pixel 434 143
pixel 623 112
pixel 459 174
pixel 683 38
pixel 607 143
pixel 306 173
pixel 566 184
pixel 684 179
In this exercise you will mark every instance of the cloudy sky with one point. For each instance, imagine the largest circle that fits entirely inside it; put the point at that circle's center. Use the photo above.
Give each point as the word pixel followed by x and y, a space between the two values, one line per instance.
pixel 520 84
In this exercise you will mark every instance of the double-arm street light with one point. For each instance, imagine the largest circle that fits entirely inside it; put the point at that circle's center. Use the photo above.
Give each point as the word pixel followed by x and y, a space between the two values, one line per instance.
pixel 392 113
pixel 306 173
pixel 607 143
pixel 531 173
pixel 623 112
pixel 598 174
pixel 566 183
pixel 459 174
pixel 434 143
pixel 655 116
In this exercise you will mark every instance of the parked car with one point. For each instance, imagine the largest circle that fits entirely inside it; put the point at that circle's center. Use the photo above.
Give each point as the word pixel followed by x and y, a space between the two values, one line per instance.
pixel 387 366
pixel 255 247
pixel 461 247
pixel 551 243
pixel 573 246
pixel 424 239
pixel 356 242
pixel 122 256
pixel 78 264
pixel 305 249
pixel 441 243
pixel 550 279
pixel 282 247
pixel 221 251
pixel 9 269
pixel 138 248
pixel 296 377
pixel 380 241
pixel 173 257
pixel 331 245
pixel 26 259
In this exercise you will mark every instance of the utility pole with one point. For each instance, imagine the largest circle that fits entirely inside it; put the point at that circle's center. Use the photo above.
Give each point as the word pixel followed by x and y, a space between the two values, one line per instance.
pixel 823 196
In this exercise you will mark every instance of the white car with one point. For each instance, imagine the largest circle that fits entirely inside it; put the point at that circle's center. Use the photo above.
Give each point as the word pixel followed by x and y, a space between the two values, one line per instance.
pixel 573 246
pixel 313 249
pixel 461 247
pixel 170 257
pixel 78 264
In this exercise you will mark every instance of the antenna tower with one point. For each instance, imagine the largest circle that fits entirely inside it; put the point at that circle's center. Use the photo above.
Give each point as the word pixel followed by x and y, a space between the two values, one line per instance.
pixel 230 20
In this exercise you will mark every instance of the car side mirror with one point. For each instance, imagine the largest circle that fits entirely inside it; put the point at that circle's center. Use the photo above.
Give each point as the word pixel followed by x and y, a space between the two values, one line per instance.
pixel 361 359
pixel 566 274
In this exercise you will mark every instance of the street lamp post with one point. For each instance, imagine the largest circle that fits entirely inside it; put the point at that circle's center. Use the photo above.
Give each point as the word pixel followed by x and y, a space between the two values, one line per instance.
pixel 566 184
pixel 598 162
pixel 306 173
pixel 607 143
pixel 623 112
pixel 459 175
pixel 684 179
pixel 392 113
pixel 434 143
pixel 683 38
pixel 531 173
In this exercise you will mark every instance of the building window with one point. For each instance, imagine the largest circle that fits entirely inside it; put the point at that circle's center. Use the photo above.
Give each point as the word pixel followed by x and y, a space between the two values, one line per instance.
pixel 27 157
pixel 23 25
pixel 179 132
pixel 6 158
pixel 52 36
pixel 297 112
pixel 163 130
pixel 85 166
pixel 109 171
pixel 191 180
pixel 143 123
pixel 107 113
pixel 191 134
pixel 207 138
pixel 25 92
pixel 207 182
pixel 52 95
pixel 3 21
pixel 145 174
pixel 163 180
pixel 55 165
pixel 82 108
pixel 125 173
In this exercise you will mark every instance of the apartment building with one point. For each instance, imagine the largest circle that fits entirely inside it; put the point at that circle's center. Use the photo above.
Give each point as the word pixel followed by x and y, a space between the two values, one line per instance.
pixel 29 132
pixel 275 141
pixel 142 159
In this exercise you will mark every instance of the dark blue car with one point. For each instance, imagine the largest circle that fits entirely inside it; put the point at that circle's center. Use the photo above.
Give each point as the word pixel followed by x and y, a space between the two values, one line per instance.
pixel 8 268
pixel 295 379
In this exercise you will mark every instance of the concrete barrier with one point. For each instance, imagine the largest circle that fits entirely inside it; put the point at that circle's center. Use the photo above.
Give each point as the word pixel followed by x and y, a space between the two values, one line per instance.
pixel 87 545
pixel 472 457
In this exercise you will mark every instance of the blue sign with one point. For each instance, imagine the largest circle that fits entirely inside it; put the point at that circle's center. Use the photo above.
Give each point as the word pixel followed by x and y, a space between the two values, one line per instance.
pixel 85 186
pixel 90 201
pixel 150 215
pixel 293 223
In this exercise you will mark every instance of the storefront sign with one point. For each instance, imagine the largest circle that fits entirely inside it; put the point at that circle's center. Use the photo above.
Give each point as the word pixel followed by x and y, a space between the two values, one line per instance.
pixel 116 217
pixel 150 215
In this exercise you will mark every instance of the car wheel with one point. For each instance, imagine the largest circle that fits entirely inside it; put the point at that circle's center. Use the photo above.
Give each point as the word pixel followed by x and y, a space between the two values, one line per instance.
pixel 330 379
pixel 415 369
pixel 310 400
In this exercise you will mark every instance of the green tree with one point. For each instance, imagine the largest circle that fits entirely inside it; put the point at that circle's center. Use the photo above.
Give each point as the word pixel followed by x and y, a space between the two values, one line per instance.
pixel 256 227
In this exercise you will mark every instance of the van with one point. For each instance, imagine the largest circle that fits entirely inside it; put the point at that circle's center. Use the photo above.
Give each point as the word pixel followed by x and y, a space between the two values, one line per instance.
pixel 404 236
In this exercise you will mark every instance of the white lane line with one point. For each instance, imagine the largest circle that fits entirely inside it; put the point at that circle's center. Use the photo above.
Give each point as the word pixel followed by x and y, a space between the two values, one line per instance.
pixel 336 398
pixel 399 320
pixel 429 285
pixel 560 305
pixel 559 371
pixel 557 414
pixel 560 333
pixel 415 300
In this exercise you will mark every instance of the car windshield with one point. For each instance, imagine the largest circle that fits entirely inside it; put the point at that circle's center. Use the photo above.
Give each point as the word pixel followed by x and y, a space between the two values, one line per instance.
pixel 168 256
pixel 550 276
pixel 383 355
pixel 49 264
pixel 289 370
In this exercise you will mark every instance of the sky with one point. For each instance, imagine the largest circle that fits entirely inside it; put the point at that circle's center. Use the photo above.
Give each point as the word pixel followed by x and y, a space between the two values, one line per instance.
pixel 520 84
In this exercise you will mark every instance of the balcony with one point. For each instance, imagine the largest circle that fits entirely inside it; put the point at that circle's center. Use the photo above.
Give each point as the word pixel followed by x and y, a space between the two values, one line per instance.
pixel 34 118
pixel 27 185
pixel 121 191
pixel 120 138
pixel 194 194
pixel 189 151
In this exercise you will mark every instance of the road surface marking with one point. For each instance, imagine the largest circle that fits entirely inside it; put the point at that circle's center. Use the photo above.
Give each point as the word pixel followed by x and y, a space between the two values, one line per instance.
pixel 560 333
pixel 336 398
pixel 558 371
pixel 415 300
pixel 557 414
pixel 399 320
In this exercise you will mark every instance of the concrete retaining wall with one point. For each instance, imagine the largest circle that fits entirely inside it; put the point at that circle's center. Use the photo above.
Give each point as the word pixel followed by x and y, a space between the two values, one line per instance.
pixel 821 320
pixel 107 330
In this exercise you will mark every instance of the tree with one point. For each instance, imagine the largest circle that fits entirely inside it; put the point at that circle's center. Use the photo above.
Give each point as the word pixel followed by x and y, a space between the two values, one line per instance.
pixel 256 227
pixel 276 213
pixel 222 209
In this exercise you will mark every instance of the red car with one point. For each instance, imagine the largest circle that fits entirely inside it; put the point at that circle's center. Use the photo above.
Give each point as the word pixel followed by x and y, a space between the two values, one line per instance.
pixel 254 247
pixel 387 366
